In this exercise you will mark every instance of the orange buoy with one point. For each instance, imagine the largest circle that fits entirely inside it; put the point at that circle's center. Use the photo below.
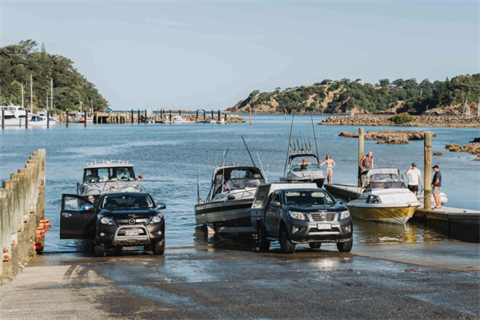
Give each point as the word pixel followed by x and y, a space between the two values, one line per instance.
pixel 40 232
pixel 38 248
pixel 45 223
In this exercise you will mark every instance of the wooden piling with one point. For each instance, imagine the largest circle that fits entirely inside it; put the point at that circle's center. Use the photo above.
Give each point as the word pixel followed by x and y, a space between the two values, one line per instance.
pixel 196 116
pixel 138 120
pixel 427 200
pixel 26 119
pixel 219 115
pixel 85 117
pixel 250 112
pixel 66 122
pixel 3 119
pixel 145 116
pixel 131 117
pixel 360 155
pixel 48 118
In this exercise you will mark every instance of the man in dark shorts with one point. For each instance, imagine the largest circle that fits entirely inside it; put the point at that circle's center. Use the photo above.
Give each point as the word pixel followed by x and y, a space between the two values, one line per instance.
pixel 437 186
pixel 414 175
pixel 366 163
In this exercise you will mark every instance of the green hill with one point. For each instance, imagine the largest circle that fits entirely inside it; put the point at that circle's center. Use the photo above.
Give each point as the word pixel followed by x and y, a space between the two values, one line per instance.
pixel 19 61
pixel 342 96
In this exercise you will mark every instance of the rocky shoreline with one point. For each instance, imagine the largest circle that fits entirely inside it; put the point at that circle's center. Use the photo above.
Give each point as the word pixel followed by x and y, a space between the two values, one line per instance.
pixel 472 148
pixel 418 121
pixel 389 136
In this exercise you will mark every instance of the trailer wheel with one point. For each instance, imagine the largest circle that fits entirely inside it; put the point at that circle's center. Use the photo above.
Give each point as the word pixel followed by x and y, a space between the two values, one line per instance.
pixel 263 242
pixel 315 245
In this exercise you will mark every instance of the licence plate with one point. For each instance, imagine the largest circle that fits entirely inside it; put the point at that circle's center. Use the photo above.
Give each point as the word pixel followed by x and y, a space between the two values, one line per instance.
pixel 133 232
pixel 324 226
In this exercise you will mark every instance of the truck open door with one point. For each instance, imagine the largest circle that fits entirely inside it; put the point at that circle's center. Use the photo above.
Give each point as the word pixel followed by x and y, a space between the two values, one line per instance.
pixel 77 217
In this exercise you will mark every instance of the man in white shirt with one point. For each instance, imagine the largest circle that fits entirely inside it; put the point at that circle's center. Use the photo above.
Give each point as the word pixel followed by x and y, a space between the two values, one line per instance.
pixel 414 175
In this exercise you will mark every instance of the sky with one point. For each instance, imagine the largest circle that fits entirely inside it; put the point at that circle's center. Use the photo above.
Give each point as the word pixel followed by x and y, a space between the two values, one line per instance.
pixel 211 54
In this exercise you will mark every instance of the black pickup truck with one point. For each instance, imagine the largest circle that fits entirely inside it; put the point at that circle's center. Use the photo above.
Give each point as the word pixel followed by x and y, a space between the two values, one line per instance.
pixel 116 220
pixel 299 214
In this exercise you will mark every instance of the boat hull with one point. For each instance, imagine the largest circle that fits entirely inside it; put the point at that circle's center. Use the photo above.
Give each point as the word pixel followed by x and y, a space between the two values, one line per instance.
pixel 383 214
pixel 233 212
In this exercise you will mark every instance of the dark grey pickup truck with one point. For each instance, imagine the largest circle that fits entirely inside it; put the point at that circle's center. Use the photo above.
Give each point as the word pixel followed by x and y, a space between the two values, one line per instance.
pixel 294 213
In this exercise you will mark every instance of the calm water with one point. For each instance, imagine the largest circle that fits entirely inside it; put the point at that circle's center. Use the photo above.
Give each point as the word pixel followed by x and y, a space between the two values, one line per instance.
pixel 168 156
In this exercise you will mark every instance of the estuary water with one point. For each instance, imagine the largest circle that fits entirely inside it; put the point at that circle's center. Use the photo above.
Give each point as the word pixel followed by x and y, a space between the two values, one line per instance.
pixel 168 156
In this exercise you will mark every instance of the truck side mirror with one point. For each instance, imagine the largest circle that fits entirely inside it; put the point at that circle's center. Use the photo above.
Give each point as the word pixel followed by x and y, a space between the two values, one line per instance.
pixel 161 206
pixel 275 204
pixel 88 207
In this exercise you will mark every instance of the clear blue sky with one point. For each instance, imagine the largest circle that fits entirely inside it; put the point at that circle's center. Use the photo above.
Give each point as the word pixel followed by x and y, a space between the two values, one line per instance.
pixel 210 55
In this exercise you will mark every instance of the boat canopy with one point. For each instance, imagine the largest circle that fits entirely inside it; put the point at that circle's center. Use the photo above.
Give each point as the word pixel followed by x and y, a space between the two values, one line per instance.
pixel 303 154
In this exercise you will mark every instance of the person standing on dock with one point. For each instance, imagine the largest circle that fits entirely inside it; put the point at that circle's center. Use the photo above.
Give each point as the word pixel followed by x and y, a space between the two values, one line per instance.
pixel 437 186
pixel 330 165
pixel 413 175
pixel 367 163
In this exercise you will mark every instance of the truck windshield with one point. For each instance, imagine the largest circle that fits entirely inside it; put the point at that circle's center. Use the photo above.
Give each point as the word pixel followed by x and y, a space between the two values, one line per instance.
pixel 308 198
pixel 126 202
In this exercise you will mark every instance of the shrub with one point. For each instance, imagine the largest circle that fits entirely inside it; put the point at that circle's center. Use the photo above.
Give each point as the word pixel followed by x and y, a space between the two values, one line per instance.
pixel 402 118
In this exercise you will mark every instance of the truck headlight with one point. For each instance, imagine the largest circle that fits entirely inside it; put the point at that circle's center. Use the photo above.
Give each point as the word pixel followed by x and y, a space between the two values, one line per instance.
pixel 156 219
pixel 344 215
pixel 107 220
pixel 297 215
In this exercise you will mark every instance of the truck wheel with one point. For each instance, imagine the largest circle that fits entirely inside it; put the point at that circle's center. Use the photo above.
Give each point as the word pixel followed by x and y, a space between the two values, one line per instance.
pixel 285 244
pixel 158 248
pixel 315 245
pixel 263 242
pixel 345 246
pixel 99 250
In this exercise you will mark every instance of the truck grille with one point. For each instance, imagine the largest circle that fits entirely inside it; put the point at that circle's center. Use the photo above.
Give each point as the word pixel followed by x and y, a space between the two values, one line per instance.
pixel 122 222
pixel 330 216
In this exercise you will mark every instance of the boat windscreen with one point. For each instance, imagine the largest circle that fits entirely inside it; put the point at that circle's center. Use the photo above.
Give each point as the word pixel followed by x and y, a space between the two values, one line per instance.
pixel 308 198
pixel 93 175
pixel 233 184
pixel 385 185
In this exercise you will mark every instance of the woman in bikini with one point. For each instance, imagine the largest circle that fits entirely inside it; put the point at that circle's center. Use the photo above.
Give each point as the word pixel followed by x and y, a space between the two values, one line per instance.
pixel 330 165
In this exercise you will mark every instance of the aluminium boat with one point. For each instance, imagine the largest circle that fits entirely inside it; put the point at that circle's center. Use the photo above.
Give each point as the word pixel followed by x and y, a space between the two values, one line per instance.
pixel 230 197
pixel 385 199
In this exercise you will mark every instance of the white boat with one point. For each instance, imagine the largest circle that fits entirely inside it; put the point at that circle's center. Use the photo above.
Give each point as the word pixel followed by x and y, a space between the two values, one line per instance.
pixel 178 119
pixel 18 111
pixel 296 172
pixel 222 121
pixel 43 114
pixel 211 121
pixel 37 121
pixel 9 118
pixel 385 199
pixel 230 198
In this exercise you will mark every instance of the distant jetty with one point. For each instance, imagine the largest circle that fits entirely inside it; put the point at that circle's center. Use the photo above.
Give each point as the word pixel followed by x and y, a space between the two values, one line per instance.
pixel 418 121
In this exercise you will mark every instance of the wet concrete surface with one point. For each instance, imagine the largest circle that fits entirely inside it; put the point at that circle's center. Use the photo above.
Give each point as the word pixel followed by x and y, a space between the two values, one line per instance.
pixel 373 282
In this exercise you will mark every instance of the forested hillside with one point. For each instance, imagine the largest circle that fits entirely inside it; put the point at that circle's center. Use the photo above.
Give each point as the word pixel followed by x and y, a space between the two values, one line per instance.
pixel 386 96
pixel 19 61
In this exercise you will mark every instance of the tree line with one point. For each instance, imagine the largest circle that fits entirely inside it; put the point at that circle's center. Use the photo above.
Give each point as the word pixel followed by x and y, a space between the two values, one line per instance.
pixel 20 61
pixel 345 94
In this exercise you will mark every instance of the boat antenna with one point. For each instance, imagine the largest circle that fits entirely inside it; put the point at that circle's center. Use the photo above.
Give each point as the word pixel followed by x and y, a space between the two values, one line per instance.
pixel 248 152
pixel 288 148
pixel 261 165
pixel 314 135
pixel 224 156
pixel 198 189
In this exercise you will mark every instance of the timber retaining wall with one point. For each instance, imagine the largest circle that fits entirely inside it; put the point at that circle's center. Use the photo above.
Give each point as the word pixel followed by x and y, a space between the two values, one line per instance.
pixel 22 206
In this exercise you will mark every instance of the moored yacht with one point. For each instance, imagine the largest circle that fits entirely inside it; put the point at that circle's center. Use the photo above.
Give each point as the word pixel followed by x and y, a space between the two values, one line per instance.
pixel 9 118
pixel 230 198
pixel 385 199
pixel 178 119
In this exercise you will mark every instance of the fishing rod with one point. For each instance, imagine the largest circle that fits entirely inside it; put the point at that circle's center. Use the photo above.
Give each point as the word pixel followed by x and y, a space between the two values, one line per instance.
pixel 249 152
pixel 288 148
pixel 261 165
pixel 299 145
pixel 314 135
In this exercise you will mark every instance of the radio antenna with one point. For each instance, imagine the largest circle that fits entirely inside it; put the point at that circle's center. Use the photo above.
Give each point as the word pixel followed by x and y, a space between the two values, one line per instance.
pixel 248 152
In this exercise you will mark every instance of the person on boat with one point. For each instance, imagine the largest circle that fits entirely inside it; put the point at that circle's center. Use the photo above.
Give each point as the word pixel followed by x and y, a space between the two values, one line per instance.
pixel 140 177
pixel 437 186
pixel 330 165
pixel 303 165
pixel 366 163
pixel 414 175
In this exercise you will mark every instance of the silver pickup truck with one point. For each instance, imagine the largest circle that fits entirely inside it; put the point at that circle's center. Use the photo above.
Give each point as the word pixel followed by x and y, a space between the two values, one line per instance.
pixel 300 213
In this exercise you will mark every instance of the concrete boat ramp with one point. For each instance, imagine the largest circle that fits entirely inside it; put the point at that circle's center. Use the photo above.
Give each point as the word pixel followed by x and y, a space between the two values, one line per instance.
pixel 398 281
